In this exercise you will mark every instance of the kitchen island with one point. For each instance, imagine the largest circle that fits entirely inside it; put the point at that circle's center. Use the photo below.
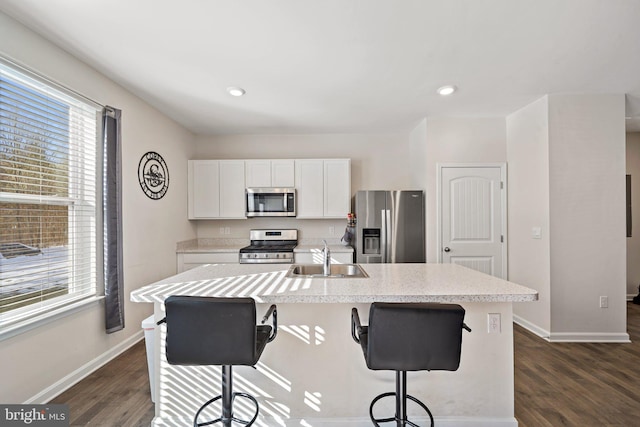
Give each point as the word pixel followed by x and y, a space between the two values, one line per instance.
pixel 313 374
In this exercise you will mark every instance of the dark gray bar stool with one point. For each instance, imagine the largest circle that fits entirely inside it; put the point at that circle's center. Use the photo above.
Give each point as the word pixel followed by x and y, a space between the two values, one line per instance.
pixel 409 337
pixel 217 331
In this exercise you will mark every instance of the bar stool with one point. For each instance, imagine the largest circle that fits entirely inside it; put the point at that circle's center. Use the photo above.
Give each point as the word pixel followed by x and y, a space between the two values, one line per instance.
pixel 409 337
pixel 217 331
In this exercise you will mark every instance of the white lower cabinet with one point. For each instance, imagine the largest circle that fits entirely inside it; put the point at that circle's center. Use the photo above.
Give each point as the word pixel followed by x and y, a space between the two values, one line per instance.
pixel 315 257
pixel 187 261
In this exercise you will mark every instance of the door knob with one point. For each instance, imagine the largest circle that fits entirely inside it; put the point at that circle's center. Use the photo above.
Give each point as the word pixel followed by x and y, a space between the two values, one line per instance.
pixel 446 249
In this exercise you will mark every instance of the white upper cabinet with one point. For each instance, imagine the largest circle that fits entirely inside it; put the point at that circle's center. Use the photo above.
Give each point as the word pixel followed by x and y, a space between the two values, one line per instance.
pixel 283 173
pixel 270 173
pixel 216 189
pixel 232 187
pixel 310 188
pixel 323 188
pixel 204 189
pixel 337 188
pixel 258 173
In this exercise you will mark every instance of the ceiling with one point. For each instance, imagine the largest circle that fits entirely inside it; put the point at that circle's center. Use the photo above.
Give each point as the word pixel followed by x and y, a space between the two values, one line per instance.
pixel 344 66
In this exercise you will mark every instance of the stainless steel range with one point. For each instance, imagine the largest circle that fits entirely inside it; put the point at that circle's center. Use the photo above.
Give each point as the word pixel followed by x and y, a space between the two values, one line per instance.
pixel 270 246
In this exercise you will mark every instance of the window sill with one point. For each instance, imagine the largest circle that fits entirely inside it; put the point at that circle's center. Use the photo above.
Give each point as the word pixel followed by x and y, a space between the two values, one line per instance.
pixel 36 322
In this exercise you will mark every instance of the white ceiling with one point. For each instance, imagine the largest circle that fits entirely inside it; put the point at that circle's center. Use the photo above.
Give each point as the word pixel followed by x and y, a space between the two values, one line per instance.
pixel 346 65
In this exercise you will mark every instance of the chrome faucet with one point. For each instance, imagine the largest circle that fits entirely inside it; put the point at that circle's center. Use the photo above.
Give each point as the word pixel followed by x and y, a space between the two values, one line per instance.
pixel 326 261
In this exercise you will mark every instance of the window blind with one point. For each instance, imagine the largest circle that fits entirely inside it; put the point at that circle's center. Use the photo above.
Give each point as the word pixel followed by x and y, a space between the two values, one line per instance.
pixel 48 198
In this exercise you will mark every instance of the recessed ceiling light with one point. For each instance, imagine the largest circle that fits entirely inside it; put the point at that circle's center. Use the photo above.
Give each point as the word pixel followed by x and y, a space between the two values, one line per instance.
pixel 236 91
pixel 447 90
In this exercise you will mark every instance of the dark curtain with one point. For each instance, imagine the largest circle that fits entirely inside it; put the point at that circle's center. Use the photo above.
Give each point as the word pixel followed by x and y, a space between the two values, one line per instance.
pixel 112 204
pixel 629 206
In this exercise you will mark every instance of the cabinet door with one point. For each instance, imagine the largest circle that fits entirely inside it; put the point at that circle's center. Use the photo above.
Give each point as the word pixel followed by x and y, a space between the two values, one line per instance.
pixel 342 258
pixel 232 187
pixel 188 261
pixel 258 173
pixel 203 189
pixel 309 188
pixel 337 188
pixel 315 257
pixel 282 173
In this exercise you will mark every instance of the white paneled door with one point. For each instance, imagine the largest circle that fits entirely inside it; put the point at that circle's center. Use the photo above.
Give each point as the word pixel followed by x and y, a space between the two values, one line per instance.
pixel 472 217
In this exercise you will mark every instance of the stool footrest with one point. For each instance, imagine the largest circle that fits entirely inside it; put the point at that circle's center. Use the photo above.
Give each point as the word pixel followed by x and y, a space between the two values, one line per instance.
pixel 399 419
pixel 226 422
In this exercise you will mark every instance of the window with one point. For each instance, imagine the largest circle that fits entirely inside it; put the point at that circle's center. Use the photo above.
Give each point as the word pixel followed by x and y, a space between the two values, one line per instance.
pixel 49 198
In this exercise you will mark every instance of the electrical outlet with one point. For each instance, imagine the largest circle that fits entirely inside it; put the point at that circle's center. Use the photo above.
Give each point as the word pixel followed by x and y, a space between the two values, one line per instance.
pixel 221 231
pixel 332 231
pixel 494 323
pixel 604 302
pixel 227 230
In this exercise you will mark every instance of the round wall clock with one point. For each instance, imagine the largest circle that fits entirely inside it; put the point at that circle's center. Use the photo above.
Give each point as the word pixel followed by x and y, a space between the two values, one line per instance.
pixel 153 175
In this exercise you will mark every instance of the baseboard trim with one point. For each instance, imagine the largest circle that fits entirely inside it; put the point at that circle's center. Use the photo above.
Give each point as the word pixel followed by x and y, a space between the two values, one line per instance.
pixel 600 337
pixel 603 337
pixel 358 422
pixel 531 327
pixel 81 373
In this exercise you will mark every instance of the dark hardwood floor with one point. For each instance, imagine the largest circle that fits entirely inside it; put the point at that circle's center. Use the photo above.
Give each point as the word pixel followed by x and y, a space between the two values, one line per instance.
pixel 116 395
pixel 560 384
pixel 575 384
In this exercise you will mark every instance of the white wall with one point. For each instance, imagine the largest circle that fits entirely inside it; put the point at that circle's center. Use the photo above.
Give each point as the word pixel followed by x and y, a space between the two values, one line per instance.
pixel 378 162
pixel 567 159
pixel 418 155
pixel 37 364
pixel 633 243
pixel 587 211
pixel 528 201
pixel 458 140
pixel 382 162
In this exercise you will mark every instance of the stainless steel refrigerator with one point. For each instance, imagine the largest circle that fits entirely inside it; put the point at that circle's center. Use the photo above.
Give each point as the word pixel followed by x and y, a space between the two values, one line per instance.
pixel 390 227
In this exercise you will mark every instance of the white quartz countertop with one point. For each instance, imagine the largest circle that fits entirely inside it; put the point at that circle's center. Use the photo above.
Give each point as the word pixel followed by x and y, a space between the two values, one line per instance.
pixel 386 282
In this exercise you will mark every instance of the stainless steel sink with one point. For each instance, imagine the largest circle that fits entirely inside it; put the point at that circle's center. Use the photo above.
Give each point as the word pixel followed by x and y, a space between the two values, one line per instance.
pixel 337 271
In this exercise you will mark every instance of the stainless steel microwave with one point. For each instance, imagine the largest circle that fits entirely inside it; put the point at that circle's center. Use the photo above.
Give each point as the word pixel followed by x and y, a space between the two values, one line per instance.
pixel 270 202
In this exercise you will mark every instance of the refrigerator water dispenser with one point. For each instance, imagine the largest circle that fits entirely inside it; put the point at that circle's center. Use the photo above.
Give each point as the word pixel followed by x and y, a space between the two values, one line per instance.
pixel 371 240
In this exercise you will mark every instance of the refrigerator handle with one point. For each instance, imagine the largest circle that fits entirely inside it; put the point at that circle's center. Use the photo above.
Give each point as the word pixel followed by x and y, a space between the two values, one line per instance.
pixel 383 236
pixel 386 230
pixel 389 238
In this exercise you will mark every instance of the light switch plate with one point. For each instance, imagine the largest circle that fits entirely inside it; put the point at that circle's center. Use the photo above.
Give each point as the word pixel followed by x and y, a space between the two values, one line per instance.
pixel 536 233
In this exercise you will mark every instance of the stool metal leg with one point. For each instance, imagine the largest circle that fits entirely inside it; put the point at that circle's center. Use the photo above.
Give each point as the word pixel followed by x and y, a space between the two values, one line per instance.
pixel 401 399
pixel 227 396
